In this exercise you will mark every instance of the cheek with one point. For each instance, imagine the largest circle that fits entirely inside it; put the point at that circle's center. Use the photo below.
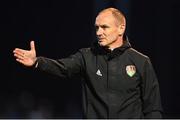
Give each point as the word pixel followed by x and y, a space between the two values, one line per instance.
pixel 112 36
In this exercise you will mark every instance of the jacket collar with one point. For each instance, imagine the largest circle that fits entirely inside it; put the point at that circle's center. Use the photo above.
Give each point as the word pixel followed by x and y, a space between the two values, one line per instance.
pixel 97 49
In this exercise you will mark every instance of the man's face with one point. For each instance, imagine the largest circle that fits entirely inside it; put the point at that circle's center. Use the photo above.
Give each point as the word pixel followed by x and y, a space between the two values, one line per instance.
pixel 107 30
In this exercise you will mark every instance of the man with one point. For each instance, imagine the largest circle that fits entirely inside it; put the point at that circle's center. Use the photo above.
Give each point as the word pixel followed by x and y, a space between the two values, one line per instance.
pixel 118 81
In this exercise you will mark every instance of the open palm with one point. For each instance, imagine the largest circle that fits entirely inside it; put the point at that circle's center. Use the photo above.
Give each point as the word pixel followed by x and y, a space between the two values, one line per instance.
pixel 26 57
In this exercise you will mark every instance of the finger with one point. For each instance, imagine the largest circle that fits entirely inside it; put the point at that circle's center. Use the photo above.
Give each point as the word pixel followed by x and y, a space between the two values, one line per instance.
pixel 20 61
pixel 18 50
pixel 19 53
pixel 32 45
pixel 18 56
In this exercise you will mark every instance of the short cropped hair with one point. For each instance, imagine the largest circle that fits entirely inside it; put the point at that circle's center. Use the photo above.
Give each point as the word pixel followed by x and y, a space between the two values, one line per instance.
pixel 118 15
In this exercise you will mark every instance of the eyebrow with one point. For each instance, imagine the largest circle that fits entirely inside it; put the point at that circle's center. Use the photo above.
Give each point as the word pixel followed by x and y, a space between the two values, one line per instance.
pixel 104 25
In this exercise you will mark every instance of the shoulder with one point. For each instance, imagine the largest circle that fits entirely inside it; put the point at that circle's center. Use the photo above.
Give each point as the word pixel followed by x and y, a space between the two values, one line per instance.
pixel 138 58
pixel 136 54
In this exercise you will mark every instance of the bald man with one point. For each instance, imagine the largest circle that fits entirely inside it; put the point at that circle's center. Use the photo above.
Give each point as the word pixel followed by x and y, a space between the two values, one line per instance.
pixel 118 81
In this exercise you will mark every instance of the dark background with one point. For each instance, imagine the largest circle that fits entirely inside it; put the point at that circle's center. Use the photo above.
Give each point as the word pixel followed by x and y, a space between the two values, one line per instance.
pixel 59 28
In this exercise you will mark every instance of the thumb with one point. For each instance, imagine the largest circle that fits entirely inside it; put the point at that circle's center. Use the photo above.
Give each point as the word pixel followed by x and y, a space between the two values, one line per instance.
pixel 32 45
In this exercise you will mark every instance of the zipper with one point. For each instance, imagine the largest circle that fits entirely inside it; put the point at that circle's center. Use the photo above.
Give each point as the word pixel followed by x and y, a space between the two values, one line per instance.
pixel 107 86
pixel 107 82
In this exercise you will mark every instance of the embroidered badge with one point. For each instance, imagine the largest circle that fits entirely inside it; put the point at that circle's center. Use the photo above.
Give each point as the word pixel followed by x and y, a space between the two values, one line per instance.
pixel 98 73
pixel 130 70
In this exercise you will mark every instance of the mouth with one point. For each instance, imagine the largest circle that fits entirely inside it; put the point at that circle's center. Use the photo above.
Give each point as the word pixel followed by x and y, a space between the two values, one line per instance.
pixel 100 39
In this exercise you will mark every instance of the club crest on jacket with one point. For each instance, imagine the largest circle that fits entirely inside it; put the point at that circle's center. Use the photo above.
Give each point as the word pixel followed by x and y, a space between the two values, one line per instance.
pixel 130 70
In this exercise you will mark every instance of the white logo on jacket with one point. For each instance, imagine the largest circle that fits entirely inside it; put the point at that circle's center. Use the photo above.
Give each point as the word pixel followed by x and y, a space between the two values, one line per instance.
pixel 98 73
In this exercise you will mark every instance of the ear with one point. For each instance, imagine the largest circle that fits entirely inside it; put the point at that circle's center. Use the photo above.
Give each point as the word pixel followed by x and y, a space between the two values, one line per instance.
pixel 121 29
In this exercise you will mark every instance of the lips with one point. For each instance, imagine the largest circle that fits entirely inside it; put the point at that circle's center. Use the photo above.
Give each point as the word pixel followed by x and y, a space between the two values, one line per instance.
pixel 101 41
pixel 101 38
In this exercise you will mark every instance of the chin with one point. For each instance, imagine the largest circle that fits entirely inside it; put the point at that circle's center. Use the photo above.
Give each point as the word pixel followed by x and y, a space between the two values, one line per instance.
pixel 101 44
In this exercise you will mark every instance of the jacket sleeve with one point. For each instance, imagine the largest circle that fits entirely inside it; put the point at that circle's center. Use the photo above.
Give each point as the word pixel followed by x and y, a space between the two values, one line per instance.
pixel 64 68
pixel 150 92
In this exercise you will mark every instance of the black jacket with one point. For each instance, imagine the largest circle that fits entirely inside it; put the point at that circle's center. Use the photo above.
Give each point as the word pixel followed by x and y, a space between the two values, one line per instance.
pixel 116 84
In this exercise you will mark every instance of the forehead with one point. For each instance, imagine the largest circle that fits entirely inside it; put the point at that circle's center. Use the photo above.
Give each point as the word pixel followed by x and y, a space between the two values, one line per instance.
pixel 105 18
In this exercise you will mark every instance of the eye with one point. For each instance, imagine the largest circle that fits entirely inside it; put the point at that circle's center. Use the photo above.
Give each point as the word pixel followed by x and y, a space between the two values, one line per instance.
pixel 96 27
pixel 104 27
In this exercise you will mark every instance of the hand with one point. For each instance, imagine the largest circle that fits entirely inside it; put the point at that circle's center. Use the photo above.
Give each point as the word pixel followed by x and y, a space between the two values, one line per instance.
pixel 26 57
